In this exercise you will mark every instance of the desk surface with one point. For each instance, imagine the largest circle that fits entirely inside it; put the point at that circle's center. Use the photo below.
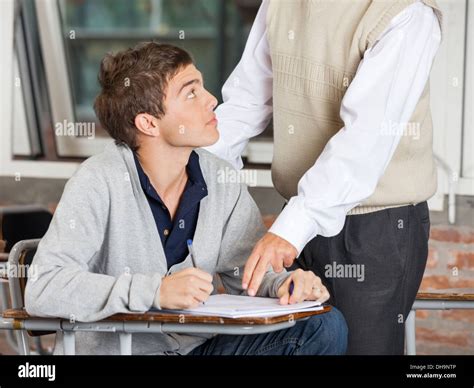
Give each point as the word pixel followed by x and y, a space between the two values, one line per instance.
pixel 152 316
pixel 459 294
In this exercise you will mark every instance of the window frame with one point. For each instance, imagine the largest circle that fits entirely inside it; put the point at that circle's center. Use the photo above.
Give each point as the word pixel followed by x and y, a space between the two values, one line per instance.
pixel 8 165
pixel 467 175
pixel 59 83
pixel 448 85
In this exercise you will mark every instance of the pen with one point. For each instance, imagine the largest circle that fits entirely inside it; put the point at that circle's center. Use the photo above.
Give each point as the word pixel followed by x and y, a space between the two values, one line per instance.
pixel 191 251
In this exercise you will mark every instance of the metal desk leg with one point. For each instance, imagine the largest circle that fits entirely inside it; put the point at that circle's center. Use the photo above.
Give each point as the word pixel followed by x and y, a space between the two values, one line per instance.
pixel 410 333
pixel 23 344
pixel 125 344
pixel 11 340
pixel 39 347
pixel 69 343
pixel 5 304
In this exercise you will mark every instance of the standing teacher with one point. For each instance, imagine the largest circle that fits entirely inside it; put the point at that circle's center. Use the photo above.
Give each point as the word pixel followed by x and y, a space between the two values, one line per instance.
pixel 347 85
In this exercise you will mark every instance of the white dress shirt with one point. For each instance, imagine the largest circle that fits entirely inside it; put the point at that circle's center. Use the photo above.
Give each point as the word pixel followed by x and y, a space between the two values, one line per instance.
pixel 386 88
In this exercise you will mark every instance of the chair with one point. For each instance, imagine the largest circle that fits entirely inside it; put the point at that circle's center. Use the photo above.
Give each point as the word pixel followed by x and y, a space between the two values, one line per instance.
pixel 18 223
pixel 460 298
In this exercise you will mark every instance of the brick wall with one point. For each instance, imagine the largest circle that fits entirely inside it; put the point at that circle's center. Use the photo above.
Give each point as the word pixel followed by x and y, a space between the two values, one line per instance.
pixel 450 265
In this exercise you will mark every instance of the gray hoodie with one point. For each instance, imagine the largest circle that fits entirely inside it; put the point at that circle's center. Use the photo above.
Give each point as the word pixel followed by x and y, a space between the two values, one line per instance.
pixel 102 254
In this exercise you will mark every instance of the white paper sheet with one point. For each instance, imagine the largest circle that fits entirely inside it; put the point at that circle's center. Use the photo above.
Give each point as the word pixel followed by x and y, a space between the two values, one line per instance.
pixel 236 306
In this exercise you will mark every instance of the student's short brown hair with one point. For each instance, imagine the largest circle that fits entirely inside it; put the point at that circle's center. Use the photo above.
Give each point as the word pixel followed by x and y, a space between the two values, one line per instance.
pixel 134 81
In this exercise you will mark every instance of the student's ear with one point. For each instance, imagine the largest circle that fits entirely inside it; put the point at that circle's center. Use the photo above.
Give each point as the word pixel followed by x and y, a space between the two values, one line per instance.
pixel 147 124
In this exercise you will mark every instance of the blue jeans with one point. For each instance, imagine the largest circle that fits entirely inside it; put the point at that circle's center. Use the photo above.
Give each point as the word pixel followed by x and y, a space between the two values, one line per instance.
pixel 319 334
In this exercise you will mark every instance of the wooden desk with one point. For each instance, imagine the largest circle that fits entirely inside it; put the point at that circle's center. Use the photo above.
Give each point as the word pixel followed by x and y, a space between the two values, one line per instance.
pixel 151 322
pixel 458 294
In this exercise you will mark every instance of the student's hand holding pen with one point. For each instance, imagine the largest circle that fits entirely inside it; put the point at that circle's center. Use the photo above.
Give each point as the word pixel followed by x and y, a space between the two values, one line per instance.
pixel 185 289
pixel 300 286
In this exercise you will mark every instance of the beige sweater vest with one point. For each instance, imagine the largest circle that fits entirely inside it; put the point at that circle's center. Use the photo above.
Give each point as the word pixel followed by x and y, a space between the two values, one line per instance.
pixel 316 47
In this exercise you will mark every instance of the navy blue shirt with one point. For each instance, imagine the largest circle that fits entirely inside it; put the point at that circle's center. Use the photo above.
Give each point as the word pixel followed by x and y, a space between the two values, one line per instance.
pixel 175 233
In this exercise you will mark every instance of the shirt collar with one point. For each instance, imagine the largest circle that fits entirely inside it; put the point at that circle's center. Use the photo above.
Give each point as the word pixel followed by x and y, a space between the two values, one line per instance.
pixel 193 169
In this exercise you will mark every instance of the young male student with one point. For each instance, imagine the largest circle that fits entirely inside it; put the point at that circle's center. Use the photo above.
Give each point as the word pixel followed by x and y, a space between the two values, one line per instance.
pixel 117 242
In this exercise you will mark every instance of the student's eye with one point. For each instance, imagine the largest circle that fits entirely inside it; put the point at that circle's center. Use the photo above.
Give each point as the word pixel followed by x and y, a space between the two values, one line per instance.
pixel 191 95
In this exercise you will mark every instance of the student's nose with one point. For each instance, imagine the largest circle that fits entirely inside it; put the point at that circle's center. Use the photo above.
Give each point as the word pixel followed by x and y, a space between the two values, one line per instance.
pixel 212 102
